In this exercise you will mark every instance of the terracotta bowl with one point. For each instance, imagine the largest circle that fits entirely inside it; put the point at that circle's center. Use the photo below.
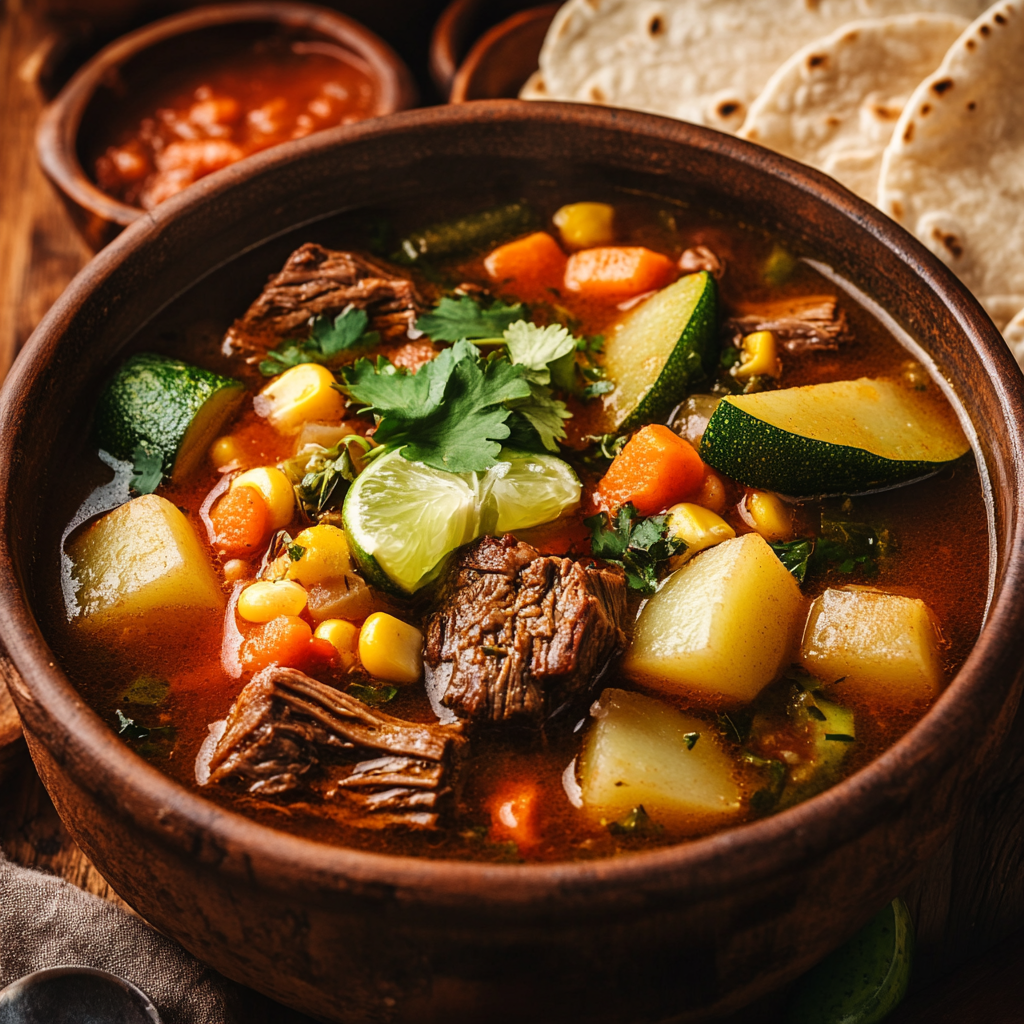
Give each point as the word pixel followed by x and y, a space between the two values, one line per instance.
pixel 677 934
pixel 503 58
pixel 137 60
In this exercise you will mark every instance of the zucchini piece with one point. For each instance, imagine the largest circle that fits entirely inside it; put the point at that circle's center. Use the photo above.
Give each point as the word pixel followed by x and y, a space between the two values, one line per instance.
pixel 172 408
pixel 863 981
pixel 657 350
pixel 845 437
pixel 474 231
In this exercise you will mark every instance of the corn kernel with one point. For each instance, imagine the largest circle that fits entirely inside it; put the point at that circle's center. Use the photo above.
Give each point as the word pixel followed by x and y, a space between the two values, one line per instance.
pixel 305 392
pixel 770 515
pixel 235 569
pixel 276 489
pixel 698 527
pixel 760 356
pixel 226 451
pixel 263 601
pixel 324 555
pixel 391 649
pixel 585 225
pixel 342 636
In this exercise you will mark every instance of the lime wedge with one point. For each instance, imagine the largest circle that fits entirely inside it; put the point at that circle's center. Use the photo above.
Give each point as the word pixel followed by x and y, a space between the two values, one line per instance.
pixel 403 518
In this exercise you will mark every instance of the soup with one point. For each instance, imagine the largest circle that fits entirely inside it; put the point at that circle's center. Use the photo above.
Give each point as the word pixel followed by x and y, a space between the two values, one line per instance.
pixel 559 530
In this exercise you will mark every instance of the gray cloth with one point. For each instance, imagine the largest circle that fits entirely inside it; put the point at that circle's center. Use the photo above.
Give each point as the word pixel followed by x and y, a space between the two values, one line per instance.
pixel 47 922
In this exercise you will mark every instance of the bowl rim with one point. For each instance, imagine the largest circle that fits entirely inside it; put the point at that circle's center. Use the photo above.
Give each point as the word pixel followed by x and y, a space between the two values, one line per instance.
pixel 57 131
pixel 281 861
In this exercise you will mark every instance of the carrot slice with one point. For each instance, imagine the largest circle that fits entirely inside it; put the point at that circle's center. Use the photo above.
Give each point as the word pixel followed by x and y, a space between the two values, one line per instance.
pixel 529 267
pixel 654 470
pixel 286 640
pixel 612 273
pixel 240 520
pixel 514 815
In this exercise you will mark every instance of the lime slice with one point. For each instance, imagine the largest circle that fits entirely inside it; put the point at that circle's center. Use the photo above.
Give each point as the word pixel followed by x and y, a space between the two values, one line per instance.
pixel 404 518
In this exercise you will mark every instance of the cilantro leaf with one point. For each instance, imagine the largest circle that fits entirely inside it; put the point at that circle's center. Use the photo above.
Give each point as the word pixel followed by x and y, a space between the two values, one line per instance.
pixel 147 470
pixel 321 478
pixel 455 319
pixel 545 413
pixel 327 339
pixel 843 545
pixel 638 545
pixel 795 555
pixel 536 347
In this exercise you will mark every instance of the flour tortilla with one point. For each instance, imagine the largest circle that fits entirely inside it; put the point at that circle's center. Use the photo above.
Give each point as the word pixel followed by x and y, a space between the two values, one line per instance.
pixel 700 60
pixel 953 173
pixel 834 103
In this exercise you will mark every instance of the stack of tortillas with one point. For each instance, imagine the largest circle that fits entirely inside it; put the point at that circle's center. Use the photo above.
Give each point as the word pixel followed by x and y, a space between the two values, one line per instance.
pixel 906 102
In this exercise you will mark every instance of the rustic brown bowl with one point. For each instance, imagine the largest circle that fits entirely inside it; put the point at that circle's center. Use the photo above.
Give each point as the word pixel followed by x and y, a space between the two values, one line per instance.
pixel 678 934
pixel 136 60
pixel 503 58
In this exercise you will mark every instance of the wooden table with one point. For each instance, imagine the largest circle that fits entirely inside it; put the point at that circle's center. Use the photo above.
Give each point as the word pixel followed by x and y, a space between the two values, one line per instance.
pixel 968 901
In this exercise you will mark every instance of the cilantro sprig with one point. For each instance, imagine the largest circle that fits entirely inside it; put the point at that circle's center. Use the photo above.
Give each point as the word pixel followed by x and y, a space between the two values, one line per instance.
pixel 638 545
pixel 327 339
pixel 455 319
pixel 843 545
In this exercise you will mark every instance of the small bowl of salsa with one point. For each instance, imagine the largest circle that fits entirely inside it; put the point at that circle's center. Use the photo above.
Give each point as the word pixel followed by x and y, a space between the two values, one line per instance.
pixel 162 107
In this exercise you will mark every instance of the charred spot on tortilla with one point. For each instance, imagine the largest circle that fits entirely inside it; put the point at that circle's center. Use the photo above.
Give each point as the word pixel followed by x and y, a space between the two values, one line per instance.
pixel 817 60
pixel 656 25
pixel 941 86
pixel 909 133
pixel 972 105
pixel 949 240
pixel 999 18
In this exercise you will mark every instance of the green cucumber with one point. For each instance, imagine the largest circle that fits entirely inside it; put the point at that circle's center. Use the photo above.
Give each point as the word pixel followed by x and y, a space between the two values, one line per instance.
pixel 474 231
pixel 657 350
pixel 846 437
pixel 171 408
pixel 863 981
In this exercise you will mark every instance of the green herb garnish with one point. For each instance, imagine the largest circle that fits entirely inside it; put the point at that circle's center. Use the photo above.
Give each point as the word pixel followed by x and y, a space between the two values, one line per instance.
pixel 842 545
pixel 295 551
pixel 839 737
pixel 638 545
pixel 372 695
pixel 464 317
pixel 636 823
pixel 147 470
pixel 327 340
pixel 321 477
pixel 690 739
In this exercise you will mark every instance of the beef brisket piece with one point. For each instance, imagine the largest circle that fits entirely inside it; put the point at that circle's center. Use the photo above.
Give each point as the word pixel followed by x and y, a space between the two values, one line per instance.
pixel 316 280
pixel 518 634
pixel 288 734
pixel 808 324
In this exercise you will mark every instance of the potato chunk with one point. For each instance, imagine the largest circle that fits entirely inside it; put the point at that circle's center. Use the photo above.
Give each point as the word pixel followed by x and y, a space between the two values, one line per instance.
pixel 640 751
pixel 137 561
pixel 882 645
pixel 723 624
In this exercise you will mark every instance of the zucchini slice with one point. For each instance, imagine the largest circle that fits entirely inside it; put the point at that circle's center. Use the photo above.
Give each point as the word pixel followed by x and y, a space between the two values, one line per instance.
pixel 657 350
pixel 173 408
pixel 846 437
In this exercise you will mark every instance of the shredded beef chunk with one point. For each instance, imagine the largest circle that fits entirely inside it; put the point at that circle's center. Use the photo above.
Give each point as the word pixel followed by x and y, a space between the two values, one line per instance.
pixel 288 734
pixel 316 280
pixel 518 634
pixel 808 324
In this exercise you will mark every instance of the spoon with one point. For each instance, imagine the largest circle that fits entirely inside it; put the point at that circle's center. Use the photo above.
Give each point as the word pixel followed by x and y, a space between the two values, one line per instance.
pixel 75 995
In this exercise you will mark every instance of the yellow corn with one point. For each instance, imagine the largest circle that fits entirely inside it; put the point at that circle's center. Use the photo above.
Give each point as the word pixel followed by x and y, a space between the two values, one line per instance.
pixel 343 637
pixel 263 601
pixel 771 517
pixel 226 451
pixel 698 527
pixel 391 649
pixel 305 392
pixel 324 555
pixel 584 225
pixel 760 356
pixel 276 489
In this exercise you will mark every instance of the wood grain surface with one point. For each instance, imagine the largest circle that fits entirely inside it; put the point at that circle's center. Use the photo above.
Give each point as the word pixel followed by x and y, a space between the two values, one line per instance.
pixel 969 902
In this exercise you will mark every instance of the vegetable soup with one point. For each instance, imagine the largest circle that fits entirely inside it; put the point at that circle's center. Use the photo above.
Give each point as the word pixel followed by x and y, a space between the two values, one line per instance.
pixel 559 529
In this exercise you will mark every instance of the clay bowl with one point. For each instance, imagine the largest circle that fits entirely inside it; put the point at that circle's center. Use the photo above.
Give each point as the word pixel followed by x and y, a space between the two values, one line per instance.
pixel 503 58
pixel 136 61
pixel 678 934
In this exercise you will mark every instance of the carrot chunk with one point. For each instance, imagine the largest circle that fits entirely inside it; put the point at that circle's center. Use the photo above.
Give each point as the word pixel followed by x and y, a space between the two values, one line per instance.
pixel 286 640
pixel 654 470
pixel 514 815
pixel 529 267
pixel 240 520
pixel 612 273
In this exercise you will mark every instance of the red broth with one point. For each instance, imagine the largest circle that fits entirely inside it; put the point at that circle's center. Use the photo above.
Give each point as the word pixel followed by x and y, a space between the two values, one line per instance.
pixel 938 527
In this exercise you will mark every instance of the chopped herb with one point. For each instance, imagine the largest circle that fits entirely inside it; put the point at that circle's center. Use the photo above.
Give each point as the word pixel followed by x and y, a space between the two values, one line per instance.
pixel 816 713
pixel 638 545
pixel 730 357
pixel 295 551
pixel 152 741
pixel 147 689
pixel 636 823
pixel 839 737
pixel 731 729
pixel 843 545
pixel 321 477
pixel 455 319
pixel 795 555
pixel 691 739
pixel 327 340
pixel 128 728
pixel 147 470
pixel 607 446
pixel 601 387
pixel 372 695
